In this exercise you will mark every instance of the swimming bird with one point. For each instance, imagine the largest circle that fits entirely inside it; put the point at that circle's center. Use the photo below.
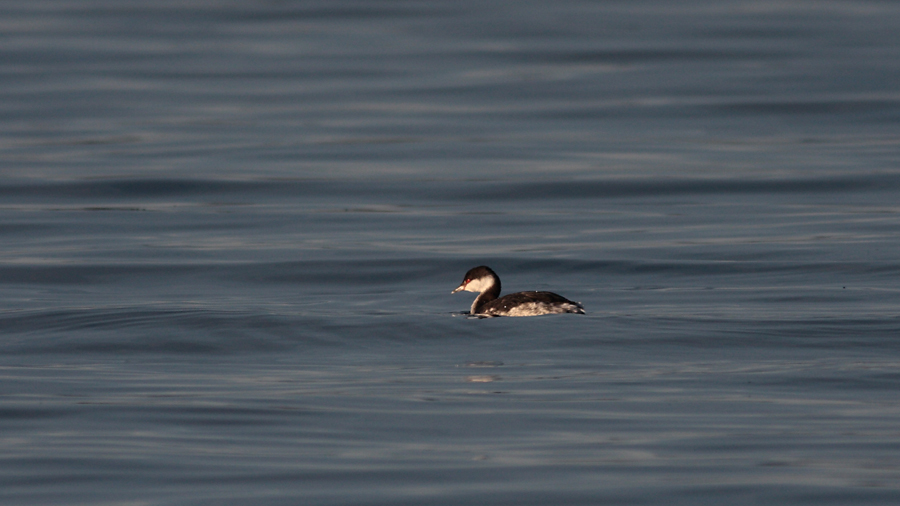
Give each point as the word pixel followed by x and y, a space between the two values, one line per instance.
pixel 486 283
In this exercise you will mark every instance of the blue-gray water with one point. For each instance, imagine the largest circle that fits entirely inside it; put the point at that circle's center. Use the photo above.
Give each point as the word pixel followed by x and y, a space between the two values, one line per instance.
pixel 229 232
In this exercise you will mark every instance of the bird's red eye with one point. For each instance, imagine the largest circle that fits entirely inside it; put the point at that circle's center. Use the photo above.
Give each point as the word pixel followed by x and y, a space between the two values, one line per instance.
pixel 467 280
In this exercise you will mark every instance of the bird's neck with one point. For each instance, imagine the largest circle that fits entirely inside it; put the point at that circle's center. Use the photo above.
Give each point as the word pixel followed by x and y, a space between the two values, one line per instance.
pixel 491 292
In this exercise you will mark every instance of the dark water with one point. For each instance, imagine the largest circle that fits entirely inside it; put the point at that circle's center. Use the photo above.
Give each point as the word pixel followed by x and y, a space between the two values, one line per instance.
pixel 229 232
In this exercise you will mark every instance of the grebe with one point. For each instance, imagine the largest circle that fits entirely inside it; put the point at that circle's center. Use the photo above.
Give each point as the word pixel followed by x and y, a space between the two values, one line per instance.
pixel 486 283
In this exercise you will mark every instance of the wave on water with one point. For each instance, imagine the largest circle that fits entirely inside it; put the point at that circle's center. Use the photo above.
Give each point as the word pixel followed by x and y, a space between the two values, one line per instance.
pixel 432 190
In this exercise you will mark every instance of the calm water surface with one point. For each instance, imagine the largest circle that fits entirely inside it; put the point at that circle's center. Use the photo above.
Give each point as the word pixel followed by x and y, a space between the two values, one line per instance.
pixel 229 232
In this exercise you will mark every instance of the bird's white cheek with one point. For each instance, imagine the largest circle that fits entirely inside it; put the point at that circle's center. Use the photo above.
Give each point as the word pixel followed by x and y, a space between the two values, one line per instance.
pixel 477 285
